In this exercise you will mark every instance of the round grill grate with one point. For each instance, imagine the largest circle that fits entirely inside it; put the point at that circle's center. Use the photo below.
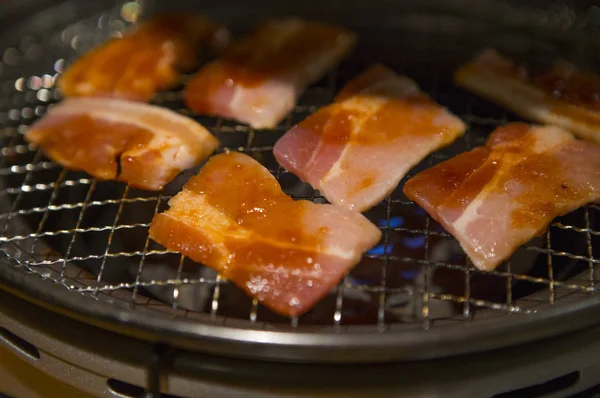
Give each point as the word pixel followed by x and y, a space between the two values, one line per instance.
pixel 80 245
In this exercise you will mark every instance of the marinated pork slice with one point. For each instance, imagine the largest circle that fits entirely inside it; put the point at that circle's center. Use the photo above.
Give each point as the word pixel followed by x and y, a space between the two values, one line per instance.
pixel 356 150
pixel 499 196
pixel 562 96
pixel 146 60
pixel 97 135
pixel 260 78
pixel 234 218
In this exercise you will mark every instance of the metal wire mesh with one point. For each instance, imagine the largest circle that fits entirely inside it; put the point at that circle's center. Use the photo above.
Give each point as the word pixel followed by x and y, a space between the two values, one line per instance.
pixel 90 236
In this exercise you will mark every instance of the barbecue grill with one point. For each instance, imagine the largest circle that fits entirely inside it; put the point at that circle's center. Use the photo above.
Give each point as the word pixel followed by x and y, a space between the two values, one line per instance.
pixel 105 309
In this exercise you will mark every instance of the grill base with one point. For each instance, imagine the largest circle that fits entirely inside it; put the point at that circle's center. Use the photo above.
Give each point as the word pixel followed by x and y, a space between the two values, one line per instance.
pixel 96 361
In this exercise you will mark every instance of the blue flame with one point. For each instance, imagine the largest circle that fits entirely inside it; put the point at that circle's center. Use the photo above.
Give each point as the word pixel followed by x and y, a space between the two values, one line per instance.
pixel 414 242
pixel 381 249
pixel 410 274
pixel 419 211
pixel 395 222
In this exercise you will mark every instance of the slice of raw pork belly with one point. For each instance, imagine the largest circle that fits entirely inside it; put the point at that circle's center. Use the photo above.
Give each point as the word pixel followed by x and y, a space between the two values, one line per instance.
pixel 356 150
pixel 234 218
pixel 147 59
pixel 562 95
pixel 259 79
pixel 499 196
pixel 97 135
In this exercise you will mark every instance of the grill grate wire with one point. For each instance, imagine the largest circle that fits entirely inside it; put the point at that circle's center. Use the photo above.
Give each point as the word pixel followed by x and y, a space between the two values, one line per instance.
pixel 27 174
